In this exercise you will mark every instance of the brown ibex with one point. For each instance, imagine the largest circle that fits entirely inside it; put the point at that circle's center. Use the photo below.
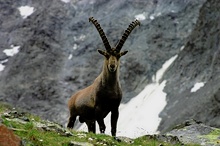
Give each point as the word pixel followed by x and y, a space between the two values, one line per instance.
pixel 104 95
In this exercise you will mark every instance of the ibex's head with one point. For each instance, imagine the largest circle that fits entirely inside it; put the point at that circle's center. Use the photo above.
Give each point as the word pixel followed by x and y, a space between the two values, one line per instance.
pixel 113 55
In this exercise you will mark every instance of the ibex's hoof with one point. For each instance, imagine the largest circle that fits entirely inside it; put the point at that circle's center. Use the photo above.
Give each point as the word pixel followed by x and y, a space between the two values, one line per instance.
pixel 117 139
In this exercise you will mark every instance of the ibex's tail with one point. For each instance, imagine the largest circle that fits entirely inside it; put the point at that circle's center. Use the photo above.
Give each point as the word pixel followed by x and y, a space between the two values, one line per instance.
pixel 126 34
pixel 101 33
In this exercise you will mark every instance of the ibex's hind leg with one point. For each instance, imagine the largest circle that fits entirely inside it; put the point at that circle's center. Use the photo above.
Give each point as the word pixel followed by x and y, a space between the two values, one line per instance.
pixel 71 122
pixel 91 126
pixel 101 125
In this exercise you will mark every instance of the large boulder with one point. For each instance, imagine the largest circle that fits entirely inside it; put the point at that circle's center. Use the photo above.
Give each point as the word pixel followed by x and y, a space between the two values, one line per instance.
pixel 194 132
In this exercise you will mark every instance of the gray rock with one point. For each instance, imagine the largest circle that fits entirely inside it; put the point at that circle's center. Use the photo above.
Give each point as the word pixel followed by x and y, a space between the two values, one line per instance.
pixel 124 139
pixel 73 143
pixel 165 138
pixel 196 133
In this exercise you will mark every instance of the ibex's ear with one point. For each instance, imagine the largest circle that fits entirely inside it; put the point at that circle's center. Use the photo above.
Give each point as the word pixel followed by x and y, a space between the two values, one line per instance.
pixel 123 53
pixel 103 52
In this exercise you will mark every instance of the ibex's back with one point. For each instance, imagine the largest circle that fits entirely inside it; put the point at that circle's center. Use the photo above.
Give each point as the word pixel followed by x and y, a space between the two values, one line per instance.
pixel 104 95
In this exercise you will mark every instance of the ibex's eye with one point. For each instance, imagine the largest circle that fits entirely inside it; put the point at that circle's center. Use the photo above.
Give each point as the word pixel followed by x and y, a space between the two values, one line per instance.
pixel 107 56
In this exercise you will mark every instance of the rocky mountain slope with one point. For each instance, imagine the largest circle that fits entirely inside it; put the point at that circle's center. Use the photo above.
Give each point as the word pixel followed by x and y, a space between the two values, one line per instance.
pixel 198 62
pixel 57 53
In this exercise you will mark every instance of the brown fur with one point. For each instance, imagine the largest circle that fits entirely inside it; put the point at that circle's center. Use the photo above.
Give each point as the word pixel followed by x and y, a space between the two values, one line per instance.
pixel 94 102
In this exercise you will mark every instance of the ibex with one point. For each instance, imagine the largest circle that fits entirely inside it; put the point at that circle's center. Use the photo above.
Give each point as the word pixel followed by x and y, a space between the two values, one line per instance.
pixel 104 94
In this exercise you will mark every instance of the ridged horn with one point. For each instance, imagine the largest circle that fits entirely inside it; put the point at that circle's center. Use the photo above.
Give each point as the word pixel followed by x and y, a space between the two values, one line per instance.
pixel 101 33
pixel 126 34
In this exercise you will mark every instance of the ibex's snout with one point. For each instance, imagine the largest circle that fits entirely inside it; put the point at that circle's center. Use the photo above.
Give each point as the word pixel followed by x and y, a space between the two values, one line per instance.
pixel 112 67
pixel 112 64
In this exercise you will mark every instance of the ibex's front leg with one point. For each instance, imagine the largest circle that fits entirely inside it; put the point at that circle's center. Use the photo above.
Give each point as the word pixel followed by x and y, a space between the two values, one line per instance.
pixel 114 119
pixel 91 126
pixel 101 125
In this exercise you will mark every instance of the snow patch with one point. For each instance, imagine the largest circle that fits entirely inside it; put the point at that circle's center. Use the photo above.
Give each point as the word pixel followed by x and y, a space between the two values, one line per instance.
pixel 4 61
pixel 197 86
pixel 181 49
pixel 80 38
pixel 2 67
pixel 65 1
pixel 153 16
pixel 141 115
pixel 13 51
pixel 140 17
pixel 75 46
pixel 70 57
pixel 9 52
pixel 159 74
pixel 26 11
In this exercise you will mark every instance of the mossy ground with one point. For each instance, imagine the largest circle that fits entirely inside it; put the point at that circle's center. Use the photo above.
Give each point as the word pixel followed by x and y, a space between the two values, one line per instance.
pixel 32 135
pixel 213 136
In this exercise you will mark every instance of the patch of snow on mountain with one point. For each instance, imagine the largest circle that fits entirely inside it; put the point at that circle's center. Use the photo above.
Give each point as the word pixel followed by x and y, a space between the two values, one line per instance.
pixel 13 51
pixel 2 66
pixel 65 1
pixel 75 46
pixel 141 115
pixel 153 16
pixel 9 52
pixel 26 11
pixel 140 17
pixel 70 57
pixel 165 66
pixel 197 86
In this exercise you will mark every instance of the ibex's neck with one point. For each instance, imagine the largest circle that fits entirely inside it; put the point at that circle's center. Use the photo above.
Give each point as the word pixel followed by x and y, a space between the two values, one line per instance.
pixel 109 78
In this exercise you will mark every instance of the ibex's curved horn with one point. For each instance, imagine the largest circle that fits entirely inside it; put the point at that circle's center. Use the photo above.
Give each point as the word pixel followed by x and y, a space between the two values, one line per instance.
pixel 101 33
pixel 126 34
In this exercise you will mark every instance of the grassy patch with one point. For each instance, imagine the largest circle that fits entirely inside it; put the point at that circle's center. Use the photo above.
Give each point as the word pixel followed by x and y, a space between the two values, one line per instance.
pixel 146 141
pixel 4 107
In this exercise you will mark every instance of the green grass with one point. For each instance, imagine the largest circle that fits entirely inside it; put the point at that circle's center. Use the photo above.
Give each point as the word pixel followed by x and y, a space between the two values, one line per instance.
pixel 4 107
pixel 148 142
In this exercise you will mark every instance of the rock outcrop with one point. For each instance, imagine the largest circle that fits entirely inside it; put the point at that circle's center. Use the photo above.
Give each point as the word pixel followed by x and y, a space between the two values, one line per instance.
pixel 194 132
